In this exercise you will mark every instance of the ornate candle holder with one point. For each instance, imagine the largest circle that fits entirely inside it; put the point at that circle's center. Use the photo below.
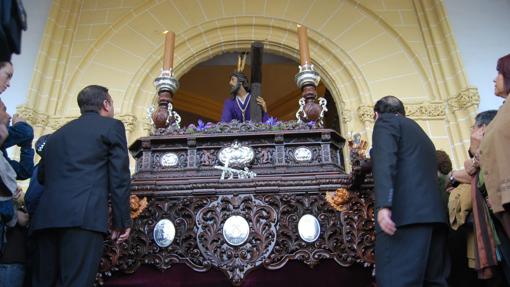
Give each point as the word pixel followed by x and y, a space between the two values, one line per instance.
pixel 307 79
pixel 166 85
pixel 357 147
pixel 361 165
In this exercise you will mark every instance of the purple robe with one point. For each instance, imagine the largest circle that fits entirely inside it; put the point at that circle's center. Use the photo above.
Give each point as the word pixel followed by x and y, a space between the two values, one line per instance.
pixel 231 111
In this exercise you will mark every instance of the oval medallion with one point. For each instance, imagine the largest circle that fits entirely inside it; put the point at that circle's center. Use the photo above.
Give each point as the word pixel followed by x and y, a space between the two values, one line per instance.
pixel 164 233
pixel 236 230
pixel 309 228
pixel 169 159
pixel 303 154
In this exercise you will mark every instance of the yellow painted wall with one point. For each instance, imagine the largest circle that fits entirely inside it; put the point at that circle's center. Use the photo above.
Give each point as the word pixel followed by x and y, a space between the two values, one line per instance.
pixel 363 50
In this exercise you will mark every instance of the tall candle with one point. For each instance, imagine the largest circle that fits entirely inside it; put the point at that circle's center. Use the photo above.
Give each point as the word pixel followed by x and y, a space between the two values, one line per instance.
pixel 168 60
pixel 304 53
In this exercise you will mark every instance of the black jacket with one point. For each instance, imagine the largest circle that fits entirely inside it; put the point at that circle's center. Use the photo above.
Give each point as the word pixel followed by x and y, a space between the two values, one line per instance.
pixel 405 171
pixel 85 164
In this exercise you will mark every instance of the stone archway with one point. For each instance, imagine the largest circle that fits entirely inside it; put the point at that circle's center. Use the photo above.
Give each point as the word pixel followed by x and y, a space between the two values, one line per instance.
pixel 362 49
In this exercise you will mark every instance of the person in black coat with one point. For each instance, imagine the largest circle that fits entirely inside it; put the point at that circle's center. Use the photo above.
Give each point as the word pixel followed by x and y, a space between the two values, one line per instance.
pixel 85 165
pixel 411 219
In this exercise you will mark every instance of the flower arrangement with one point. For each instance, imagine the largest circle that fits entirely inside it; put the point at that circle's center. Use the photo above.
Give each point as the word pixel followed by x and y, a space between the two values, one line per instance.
pixel 271 124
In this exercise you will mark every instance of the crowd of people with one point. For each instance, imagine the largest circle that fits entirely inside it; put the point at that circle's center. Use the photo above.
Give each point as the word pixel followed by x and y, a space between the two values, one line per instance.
pixel 54 235
pixel 436 226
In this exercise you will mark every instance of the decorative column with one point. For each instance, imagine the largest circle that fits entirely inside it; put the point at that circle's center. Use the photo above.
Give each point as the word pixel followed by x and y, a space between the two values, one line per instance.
pixel 307 79
pixel 166 85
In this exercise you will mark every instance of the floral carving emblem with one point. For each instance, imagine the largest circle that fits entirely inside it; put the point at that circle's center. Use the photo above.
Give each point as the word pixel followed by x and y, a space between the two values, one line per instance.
pixel 236 261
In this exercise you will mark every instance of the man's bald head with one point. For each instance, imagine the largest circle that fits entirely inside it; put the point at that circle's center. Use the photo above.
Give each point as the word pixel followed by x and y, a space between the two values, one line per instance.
pixel 389 105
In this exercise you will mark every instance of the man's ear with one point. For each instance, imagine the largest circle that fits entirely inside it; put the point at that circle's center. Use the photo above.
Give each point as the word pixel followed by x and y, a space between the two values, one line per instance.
pixel 106 105
pixel 105 108
pixel 376 116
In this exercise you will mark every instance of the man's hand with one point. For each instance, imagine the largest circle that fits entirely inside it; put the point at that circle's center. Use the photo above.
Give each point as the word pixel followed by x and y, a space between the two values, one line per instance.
pixel 120 235
pixel 22 218
pixel 384 220
pixel 262 103
pixel 17 193
pixel 17 119
pixel 471 166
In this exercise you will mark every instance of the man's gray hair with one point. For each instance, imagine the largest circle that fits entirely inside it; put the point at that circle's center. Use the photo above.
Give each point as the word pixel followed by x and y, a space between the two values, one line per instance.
pixel 484 118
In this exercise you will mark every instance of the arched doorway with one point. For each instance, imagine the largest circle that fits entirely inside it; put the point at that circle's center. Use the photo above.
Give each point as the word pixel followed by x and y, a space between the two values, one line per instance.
pixel 204 88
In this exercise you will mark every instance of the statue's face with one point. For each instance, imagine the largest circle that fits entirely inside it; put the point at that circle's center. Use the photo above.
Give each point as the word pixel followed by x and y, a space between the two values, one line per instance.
pixel 233 81
pixel 235 85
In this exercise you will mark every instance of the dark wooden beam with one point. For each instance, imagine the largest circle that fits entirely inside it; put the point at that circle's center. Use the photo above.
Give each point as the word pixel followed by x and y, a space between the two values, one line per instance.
pixel 257 50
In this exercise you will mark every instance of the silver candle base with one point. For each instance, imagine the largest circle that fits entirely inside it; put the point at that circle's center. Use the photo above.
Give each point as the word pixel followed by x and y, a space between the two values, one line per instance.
pixel 307 76
pixel 166 82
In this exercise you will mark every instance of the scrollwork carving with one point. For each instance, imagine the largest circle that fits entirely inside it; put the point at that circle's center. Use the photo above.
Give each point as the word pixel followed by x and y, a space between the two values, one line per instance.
pixel 466 98
pixel 366 113
pixel 35 118
pixel 236 261
pixel 128 120
pixel 358 228
pixel 430 110
pixel 346 237
pixel 426 110
pixel 140 248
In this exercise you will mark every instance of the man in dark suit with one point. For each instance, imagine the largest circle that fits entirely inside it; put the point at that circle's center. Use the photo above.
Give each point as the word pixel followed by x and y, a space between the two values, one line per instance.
pixel 411 219
pixel 85 165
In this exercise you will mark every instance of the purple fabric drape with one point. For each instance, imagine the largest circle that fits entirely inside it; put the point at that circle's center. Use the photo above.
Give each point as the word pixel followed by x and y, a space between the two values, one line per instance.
pixel 326 273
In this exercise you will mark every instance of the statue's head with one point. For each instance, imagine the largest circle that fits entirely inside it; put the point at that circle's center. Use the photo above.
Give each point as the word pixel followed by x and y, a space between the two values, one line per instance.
pixel 238 80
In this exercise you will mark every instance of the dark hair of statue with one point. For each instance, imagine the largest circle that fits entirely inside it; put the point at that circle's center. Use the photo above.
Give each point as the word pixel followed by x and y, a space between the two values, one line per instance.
pixel 91 98
pixel 389 105
pixel 241 78
pixel 503 68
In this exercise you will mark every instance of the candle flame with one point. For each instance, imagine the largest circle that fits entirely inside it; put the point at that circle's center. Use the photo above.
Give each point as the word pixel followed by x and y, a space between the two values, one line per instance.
pixel 166 31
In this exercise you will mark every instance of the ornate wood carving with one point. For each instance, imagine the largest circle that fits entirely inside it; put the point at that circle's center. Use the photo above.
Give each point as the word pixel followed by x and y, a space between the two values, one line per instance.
pixel 347 237
pixel 208 157
pixel 236 261
pixel 198 204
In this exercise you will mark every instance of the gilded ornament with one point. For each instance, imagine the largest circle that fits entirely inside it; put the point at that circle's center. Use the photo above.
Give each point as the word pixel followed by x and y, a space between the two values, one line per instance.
pixel 137 205
pixel 466 98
